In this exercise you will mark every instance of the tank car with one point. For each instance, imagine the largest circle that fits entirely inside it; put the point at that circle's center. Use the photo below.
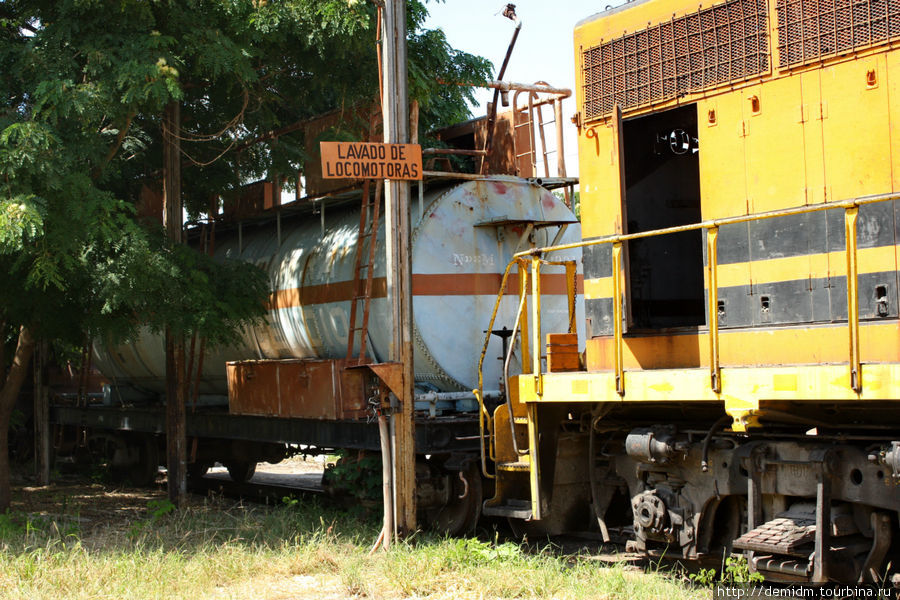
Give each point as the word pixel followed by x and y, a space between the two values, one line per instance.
pixel 740 220
pixel 292 380
pixel 459 244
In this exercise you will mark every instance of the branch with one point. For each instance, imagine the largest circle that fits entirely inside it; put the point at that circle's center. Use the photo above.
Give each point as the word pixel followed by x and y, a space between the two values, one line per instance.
pixel 114 148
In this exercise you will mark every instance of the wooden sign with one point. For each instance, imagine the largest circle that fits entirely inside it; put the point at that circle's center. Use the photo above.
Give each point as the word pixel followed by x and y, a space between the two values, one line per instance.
pixel 367 160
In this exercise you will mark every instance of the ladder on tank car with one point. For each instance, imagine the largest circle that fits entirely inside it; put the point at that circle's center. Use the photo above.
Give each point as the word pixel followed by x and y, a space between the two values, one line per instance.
pixel 368 228
pixel 532 118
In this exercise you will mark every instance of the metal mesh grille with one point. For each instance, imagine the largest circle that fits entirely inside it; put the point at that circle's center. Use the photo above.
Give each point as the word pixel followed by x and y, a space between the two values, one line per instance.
pixel 704 49
pixel 811 29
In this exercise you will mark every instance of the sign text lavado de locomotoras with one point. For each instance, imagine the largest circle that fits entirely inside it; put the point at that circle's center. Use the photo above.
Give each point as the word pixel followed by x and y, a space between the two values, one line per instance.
pixel 366 160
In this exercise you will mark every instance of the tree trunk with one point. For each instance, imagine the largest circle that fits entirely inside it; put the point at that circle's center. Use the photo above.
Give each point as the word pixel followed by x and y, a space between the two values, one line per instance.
pixel 8 395
pixel 176 442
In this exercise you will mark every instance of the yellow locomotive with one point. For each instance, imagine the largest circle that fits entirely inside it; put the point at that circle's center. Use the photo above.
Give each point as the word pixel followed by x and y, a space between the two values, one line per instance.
pixel 739 388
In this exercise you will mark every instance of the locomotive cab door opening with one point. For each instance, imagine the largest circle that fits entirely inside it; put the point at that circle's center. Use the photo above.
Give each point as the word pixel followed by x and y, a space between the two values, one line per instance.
pixel 662 189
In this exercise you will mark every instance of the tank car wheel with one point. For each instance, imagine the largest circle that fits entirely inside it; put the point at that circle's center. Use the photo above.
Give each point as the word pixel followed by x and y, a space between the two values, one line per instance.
pixel 240 471
pixel 463 509
pixel 198 469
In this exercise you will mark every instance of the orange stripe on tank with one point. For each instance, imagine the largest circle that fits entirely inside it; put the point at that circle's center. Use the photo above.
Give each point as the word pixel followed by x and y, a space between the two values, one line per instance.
pixel 447 284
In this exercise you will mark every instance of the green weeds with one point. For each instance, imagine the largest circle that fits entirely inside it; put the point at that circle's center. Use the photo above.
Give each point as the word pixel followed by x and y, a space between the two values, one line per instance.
pixel 735 572
pixel 219 549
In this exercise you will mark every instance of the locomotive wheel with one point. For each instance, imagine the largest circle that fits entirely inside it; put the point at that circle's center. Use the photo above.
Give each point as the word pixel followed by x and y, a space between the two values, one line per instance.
pixel 240 471
pixel 462 511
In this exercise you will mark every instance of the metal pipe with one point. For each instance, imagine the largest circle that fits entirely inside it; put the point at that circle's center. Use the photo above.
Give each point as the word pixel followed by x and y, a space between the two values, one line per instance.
pixel 507 86
pixel 454 151
pixel 560 146
pixel 617 317
pixel 506 361
pixel 510 13
pixel 704 454
pixel 542 181
pixel 431 396
pixel 536 320
pixel 525 345
pixel 850 218
pixel 387 483
pixel 421 200
pixel 592 480
pixel 483 417
pixel 540 128
pixel 532 149
pixel 712 236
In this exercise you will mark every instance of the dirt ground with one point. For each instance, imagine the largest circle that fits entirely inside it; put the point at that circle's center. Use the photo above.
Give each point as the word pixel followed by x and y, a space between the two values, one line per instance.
pixel 103 507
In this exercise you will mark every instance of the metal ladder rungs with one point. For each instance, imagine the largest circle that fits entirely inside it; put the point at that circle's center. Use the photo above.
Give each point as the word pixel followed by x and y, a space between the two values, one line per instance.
pixel 516 466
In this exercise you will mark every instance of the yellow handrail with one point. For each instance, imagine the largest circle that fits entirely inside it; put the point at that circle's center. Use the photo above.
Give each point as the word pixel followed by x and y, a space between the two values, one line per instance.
pixel 483 415
pixel 851 208
pixel 618 317
pixel 712 286
pixel 850 216
pixel 521 322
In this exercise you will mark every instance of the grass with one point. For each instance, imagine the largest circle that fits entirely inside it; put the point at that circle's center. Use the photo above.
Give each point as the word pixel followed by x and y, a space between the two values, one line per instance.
pixel 217 549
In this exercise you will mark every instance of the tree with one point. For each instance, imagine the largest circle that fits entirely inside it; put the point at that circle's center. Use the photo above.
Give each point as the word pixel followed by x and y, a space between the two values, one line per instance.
pixel 84 86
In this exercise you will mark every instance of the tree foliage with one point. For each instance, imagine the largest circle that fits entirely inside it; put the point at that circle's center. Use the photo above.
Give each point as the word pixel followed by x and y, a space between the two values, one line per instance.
pixel 84 85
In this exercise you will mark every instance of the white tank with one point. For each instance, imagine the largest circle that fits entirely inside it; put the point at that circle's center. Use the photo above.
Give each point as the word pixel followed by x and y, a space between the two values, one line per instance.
pixel 460 248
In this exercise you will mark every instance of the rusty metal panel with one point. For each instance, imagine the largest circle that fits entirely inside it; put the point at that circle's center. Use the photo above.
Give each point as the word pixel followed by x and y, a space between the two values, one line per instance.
pixel 707 48
pixel 310 389
pixel 252 199
pixel 307 389
pixel 502 159
pixel 361 123
pixel 253 389
pixel 354 393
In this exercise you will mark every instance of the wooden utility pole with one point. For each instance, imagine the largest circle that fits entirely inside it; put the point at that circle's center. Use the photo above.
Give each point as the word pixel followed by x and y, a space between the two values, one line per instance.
pixel 176 441
pixel 395 105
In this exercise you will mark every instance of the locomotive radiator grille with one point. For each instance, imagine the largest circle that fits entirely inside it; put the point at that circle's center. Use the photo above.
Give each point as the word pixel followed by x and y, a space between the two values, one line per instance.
pixel 812 29
pixel 707 48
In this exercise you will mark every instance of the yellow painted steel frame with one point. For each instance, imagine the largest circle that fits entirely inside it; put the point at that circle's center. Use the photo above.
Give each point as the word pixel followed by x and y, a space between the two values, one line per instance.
pixel 534 475
pixel 617 316
pixel 536 321
pixel 712 286
pixel 741 388
pixel 850 217
pixel 529 364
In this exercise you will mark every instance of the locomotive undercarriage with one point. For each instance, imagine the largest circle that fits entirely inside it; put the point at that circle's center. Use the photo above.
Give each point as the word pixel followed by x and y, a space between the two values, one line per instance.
pixel 692 490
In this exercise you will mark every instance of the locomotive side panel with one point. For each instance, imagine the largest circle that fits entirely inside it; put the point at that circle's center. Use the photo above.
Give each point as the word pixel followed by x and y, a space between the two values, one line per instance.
pixel 759 413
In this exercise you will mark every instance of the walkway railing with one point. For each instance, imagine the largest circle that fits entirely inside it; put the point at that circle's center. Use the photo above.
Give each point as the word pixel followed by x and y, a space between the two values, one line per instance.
pixel 531 361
